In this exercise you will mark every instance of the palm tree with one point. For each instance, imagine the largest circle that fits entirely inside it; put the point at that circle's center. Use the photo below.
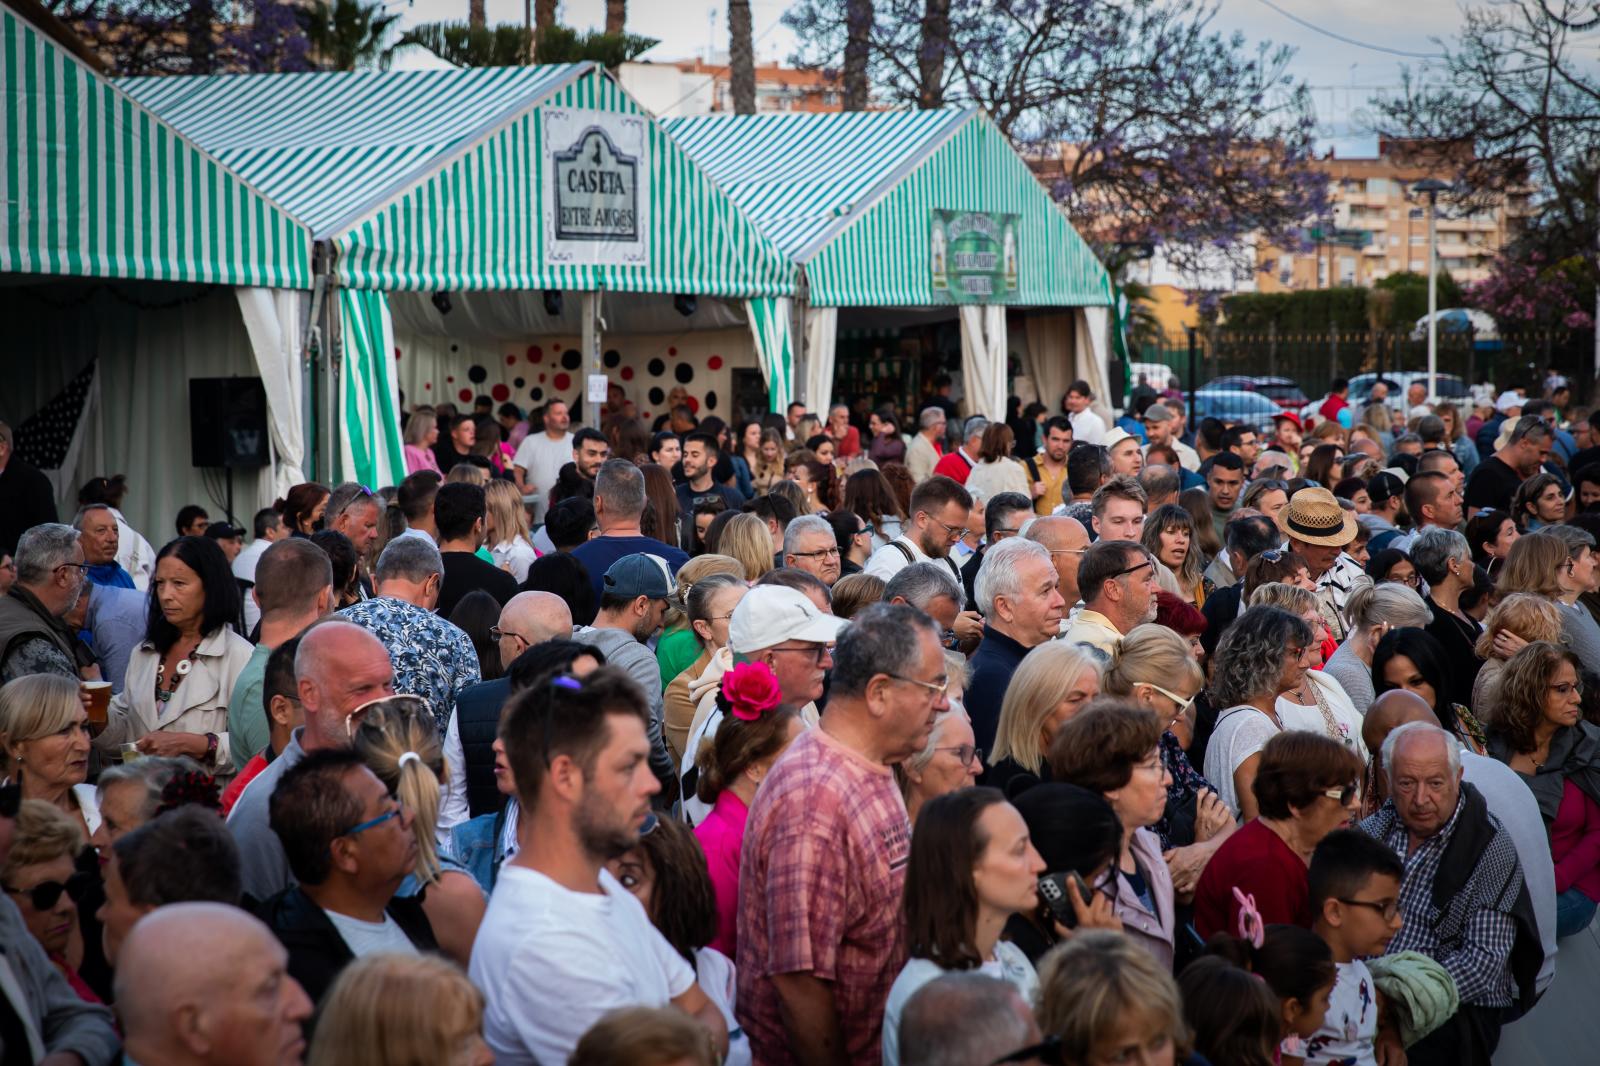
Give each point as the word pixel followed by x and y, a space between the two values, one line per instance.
pixel 858 18
pixel 741 57
pixel 616 16
pixel 349 34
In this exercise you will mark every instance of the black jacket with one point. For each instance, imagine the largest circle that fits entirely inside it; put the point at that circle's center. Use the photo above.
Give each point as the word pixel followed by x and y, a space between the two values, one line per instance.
pixel 317 953
pixel 477 721
pixel 26 500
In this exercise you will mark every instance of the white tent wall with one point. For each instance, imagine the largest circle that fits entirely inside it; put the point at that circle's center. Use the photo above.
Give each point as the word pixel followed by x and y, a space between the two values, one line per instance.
pixel 1091 350
pixel 821 341
pixel 146 356
pixel 983 359
pixel 274 320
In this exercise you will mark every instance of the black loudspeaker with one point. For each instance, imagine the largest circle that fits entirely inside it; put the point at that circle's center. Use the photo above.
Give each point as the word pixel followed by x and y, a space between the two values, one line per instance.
pixel 228 422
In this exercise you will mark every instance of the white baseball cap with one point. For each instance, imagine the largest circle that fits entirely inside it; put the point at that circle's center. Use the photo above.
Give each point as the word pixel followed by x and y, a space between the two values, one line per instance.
pixel 771 614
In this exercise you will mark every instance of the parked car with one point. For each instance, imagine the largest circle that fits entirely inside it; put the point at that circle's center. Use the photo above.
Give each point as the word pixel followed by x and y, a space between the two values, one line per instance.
pixel 1449 387
pixel 1285 392
pixel 1234 405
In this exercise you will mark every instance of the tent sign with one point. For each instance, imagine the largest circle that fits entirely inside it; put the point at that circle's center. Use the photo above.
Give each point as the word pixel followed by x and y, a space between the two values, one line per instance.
pixel 596 187
pixel 973 257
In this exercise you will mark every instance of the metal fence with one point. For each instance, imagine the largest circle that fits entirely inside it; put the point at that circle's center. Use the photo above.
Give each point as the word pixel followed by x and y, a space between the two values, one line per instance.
pixel 1312 360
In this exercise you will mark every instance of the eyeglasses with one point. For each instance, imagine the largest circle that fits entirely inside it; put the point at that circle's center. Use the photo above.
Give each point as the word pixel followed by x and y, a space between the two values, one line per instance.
pixel 373 823
pixel 46 894
pixel 1388 908
pixel 1068 551
pixel 1002 533
pixel 1566 688
pixel 821 553
pixel 966 754
pixel 1135 568
pixel 1183 704
pixel 816 651
pixel 938 688
pixel 867 529
pixel 952 532
pixel 1344 795
pixel 84 567
pixel 496 633
pixel 384 705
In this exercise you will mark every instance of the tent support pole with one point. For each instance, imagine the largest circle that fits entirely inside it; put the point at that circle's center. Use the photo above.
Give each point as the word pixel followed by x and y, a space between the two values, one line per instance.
pixel 328 389
pixel 799 380
pixel 591 357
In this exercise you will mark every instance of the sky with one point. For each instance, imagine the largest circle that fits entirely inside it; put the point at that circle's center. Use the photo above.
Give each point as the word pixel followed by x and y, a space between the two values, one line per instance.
pixel 1343 75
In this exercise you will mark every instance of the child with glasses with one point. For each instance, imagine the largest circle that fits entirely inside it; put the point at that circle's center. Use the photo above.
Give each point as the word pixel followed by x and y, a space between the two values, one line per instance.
pixel 1355 905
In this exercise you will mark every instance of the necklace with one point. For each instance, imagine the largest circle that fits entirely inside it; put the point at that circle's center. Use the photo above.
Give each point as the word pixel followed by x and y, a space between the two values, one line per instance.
pixel 180 670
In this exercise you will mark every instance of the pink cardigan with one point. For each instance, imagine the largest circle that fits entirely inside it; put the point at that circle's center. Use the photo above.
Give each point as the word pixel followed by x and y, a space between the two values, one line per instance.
pixel 721 836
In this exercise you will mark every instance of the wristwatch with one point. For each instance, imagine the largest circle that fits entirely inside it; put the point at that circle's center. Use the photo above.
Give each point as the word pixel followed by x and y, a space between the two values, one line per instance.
pixel 211 747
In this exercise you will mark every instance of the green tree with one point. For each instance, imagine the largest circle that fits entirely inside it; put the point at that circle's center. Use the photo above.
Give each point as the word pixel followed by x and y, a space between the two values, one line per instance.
pixel 1411 294
pixel 349 34
pixel 562 44
pixel 465 45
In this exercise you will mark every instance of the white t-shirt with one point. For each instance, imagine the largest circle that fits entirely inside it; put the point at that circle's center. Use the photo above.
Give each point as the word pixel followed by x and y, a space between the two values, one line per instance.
pixel 551 961
pixel 1008 964
pixel 371 938
pixel 1241 732
pixel 542 459
pixel 1310 719
pixel 516 554
pixel 1087 427
pixel 1348 1032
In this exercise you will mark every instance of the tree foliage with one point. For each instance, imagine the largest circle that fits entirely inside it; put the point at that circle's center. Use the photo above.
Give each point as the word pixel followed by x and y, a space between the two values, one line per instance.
pixel 349 34
pixel 508 45
pixel 1517 101
pixel 141 37
pixel 1165 129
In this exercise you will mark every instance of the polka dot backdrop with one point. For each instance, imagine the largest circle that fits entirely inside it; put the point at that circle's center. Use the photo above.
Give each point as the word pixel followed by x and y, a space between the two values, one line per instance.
pixel 534 370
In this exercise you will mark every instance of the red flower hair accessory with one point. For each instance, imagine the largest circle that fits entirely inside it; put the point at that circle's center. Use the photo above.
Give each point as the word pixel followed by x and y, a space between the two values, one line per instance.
pixel 751 690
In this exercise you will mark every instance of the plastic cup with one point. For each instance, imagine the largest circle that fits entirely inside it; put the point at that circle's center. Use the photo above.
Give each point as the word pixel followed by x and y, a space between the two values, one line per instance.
pixel 99 700
pixel 131 753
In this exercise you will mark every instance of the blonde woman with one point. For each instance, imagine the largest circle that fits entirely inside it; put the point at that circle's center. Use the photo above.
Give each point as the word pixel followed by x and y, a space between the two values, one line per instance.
pixel 709 605
pixel 507 520
pixel 1371 612
pixel 399 741
pixel 1319 704
pixel 44 745
pixel 1515 622
pixel 401 1010
pixel 678 645
pixel 766 464
pixel 1051 684
pixel 746 539
pixel 422 433
pixel 1153 668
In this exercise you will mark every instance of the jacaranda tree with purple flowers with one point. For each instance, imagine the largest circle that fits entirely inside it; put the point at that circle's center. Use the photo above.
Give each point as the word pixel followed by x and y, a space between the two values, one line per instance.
pixel 1166 130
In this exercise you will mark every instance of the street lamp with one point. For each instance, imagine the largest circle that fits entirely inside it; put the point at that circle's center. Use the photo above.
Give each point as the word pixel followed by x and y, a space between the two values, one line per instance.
pixel 1432 187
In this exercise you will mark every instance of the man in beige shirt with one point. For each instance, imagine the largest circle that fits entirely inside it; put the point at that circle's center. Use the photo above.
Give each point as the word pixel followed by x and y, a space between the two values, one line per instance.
pixel 1118 582
pixel 924 451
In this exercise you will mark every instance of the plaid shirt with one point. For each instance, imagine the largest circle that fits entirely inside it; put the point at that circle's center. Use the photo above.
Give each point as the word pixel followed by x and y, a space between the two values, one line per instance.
pixel 820 881
pixel 1473 936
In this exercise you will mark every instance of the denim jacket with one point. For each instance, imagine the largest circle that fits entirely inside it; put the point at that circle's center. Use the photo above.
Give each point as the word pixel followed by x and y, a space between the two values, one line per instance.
pixel 479 846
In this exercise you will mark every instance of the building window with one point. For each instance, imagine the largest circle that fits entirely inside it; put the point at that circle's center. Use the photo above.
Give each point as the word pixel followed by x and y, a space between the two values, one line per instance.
pixel 1347 271
pixel 1419 239
pixel 1394 238
pixel 1394 213
pixel 1417 212
pixel 1378 188
pixel 1418 266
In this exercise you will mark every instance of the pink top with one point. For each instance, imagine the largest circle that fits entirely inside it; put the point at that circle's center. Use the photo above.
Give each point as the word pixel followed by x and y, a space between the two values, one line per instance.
pixel 1575 842
pixel 420 458
pixel 721 835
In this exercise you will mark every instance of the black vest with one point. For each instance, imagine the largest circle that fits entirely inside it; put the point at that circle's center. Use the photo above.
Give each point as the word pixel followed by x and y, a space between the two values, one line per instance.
pixel 478 722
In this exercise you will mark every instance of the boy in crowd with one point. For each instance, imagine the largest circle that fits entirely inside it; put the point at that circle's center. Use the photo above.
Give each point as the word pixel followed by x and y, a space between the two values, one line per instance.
pixel 1355 900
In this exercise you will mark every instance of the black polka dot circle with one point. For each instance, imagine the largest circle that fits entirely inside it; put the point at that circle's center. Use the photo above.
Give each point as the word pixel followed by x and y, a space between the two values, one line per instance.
pixel 519 383
pixel 656 395
pixel 684 372
pixel 711 401
pixel 612 358
pixel 571 359
pixel 537 394
pixel 477 375
pixel 655 368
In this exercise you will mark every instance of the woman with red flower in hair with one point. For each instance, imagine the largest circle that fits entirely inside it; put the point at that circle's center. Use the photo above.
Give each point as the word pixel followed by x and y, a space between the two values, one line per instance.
pixel 755 730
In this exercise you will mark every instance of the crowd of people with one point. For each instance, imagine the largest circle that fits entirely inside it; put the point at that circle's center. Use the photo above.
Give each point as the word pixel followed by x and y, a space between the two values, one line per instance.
pixel 854 736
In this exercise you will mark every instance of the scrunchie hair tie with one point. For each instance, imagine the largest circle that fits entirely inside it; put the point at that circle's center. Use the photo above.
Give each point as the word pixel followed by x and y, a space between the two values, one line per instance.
pixel 409 756
pixel 1251 927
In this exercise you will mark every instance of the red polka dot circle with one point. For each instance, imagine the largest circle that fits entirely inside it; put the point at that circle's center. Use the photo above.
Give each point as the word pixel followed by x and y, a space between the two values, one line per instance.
pixel 501 393
pixel 563 382
pixel 465 395
pixel 714 363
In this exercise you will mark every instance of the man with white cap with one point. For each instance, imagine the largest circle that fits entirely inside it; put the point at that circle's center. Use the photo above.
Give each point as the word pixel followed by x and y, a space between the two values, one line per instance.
pixel 782 628
pixel 1319 529
pixel 633 601
pixel 1126 458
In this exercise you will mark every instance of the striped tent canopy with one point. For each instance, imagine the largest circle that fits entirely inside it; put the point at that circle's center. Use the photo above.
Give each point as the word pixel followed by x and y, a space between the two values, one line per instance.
pixel 429 180
pixel 849 196
pixel 95 185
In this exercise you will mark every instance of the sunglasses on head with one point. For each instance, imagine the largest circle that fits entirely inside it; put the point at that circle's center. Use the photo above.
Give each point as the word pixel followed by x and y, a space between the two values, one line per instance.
pixel 46 894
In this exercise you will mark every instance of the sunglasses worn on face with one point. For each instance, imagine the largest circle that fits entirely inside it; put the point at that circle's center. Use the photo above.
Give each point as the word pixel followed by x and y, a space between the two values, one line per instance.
pixel 1344 795
pixel 46 894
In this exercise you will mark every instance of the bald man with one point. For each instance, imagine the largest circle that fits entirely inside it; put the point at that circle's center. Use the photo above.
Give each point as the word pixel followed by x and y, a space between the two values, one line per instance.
pixel 1506 796
pixel 1066 540
pixel 205 984
pixel 339 667
pixel 528 618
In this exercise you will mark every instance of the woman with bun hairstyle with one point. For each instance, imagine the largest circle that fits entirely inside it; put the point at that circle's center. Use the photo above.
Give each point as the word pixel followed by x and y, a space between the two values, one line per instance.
pixel 399 741
pixel 756 728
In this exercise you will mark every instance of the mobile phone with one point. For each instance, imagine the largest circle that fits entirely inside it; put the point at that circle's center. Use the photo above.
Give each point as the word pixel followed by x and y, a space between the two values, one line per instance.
pixel 1053 889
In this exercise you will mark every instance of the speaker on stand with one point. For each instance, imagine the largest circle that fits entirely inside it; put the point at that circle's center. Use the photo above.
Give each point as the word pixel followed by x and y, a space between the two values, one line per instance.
pixel 228 427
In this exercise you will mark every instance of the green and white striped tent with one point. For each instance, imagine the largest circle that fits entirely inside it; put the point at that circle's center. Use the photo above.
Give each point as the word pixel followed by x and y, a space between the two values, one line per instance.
pixel 95 185
pixel 431 181
pixel 849 197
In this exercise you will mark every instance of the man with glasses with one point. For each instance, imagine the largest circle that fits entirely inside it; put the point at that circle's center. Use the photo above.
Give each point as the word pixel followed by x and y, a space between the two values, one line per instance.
pixel 1066 540
pixel 826 847
pixel 1022 607
pixel 350 845
pixel 785 630
pixel 1118 578
pixel 940 509
pixel 51 575
pixel 339 669
pixel 928 588
pixel 563 942
pixel 1318 528
pixel 1462 901
pixel 432 658
pixel 809 544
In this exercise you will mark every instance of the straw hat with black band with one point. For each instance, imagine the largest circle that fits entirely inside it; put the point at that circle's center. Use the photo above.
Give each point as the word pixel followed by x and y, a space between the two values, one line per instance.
pixel 1314 516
